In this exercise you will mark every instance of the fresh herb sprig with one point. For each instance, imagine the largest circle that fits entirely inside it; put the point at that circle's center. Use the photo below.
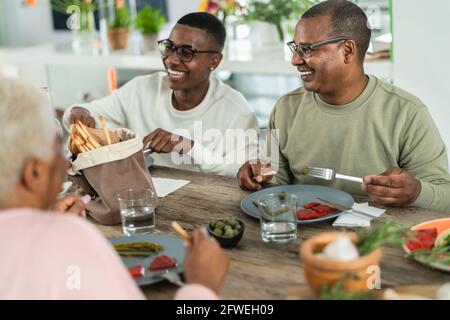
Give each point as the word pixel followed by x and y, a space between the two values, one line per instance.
pixel 338 292
pixel 389 232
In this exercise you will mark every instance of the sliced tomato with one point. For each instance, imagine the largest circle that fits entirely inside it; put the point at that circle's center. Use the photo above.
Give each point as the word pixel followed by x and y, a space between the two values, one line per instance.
pixel 136 271
pixel 311 205
pixel 314 210
pixel 308 214
pixel 162 262
pixel 423 239
pixel 324 209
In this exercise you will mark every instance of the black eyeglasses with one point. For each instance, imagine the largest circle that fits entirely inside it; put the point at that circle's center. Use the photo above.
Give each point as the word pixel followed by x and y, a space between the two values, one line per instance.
pixel 306 50
pixel 184 53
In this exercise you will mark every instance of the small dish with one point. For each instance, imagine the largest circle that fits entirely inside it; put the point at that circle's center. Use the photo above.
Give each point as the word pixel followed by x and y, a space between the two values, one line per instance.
pixel 440 225
pixel 230 241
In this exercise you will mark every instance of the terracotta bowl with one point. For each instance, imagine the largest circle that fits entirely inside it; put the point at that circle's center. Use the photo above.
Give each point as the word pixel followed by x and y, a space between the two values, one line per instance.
pixel 319 271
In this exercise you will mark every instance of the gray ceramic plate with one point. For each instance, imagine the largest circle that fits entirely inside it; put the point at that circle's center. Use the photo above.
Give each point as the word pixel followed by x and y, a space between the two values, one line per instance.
pixel 305 193
pixel 173 247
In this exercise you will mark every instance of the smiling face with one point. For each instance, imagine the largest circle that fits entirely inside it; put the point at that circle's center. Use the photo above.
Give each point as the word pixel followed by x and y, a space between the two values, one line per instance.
pixel 187 76
pixel 324 70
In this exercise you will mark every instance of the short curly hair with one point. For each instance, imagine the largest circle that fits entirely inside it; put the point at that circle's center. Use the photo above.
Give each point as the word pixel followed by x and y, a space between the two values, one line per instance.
pixel 209 23
pixel 347 19
pixel 27 130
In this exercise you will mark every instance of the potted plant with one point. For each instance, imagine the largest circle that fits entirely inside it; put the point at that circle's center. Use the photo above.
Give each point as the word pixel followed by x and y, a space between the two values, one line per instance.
pixel 275 13
pixel 149 21
pixel 118 28
pixel 351 274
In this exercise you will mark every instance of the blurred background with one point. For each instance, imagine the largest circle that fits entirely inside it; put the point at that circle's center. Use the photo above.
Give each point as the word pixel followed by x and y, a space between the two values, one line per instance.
pixel 82 49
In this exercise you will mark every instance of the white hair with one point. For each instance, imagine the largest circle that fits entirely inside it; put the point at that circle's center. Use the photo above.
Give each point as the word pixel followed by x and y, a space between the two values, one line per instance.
pixel 27 131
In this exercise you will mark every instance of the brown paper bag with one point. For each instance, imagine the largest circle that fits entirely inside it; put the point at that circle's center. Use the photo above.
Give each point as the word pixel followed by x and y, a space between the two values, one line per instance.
pixel 105 172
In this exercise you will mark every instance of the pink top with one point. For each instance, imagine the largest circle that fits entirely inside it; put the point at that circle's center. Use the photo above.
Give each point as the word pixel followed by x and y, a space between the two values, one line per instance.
pixel 55 256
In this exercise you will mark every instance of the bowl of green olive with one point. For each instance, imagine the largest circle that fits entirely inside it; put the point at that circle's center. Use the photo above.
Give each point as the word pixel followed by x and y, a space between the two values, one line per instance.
pixel 228 232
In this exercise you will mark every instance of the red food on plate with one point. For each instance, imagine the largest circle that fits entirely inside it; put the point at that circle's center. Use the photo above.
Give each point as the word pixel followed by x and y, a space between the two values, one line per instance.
pixel 311 205
pixel 423 239
pixel 162 262
pixel 324 209
pixel 314 210
pixel 308 214
pixel 137 271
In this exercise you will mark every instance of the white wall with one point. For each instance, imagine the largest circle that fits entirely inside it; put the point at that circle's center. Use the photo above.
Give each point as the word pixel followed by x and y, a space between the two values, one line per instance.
pixel 422 55
pixel 178 8
pixel 23 26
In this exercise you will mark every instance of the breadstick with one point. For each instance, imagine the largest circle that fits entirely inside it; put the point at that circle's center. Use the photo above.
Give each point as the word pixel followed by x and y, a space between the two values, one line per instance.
pixel 86 135
pixel 183 233
pixel 73 147
pixel 105 129
pixel 79 141
pixel 79 145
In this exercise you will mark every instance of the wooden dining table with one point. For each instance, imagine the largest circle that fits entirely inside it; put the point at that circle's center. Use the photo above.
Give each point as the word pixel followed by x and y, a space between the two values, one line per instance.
pixel 259 270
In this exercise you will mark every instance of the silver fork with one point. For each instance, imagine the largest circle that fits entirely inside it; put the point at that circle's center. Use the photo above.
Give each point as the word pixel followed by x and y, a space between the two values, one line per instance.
pixel 330 174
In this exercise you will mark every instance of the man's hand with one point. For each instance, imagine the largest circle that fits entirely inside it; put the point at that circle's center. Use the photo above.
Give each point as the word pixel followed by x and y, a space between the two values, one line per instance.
pixel 205 262
pixel 83 115
pixel 162 141
pixel 71 205
pixel 394 187
pixel 252 174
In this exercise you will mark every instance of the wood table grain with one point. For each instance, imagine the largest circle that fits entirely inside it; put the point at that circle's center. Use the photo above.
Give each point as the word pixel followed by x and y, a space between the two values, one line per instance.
pixel 259 270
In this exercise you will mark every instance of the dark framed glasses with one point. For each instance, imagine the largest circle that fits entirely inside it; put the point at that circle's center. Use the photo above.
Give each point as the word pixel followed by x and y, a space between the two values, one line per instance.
pixel 306 50
pixel 184 53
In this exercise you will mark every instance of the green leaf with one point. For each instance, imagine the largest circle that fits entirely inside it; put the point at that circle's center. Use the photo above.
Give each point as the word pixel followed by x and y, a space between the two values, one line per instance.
pixel 277 11
pixel 338 292
pixel 386 233
pixel 121 18
pixel 149 20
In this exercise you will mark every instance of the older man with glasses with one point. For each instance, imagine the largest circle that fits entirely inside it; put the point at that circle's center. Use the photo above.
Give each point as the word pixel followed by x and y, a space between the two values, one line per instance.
pixel 356 124
pixel 183 114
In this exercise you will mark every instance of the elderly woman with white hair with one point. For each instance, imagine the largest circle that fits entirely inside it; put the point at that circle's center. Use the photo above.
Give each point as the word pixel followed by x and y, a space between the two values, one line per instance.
pixel 56 256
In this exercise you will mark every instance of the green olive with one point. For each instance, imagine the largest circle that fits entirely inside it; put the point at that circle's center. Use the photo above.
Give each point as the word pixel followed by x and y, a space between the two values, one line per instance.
pixel 220 225
pixel 305 170
pixel 229 233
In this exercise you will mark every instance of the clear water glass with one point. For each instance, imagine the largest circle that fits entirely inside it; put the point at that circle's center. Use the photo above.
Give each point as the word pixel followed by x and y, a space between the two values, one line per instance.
pixel 278 217
pixel 137 209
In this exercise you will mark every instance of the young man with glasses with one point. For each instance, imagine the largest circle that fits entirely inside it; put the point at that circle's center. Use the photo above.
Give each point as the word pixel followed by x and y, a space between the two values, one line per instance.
pixel 356 124
pixel 172 110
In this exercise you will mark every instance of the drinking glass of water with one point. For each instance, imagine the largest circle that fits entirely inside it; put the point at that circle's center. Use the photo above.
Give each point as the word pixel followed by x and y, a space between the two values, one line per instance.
pixel 278 217
pixel 137 208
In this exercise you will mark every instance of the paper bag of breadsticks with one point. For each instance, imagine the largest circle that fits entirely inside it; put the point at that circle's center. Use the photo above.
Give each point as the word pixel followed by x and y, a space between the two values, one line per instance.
pixel 103 165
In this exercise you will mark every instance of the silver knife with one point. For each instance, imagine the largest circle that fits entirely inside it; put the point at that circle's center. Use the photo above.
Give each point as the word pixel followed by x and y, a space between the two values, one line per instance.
pixel 346 208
